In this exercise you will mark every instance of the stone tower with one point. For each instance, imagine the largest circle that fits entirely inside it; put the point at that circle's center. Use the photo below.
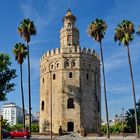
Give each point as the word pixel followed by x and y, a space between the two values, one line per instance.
pixel 70 84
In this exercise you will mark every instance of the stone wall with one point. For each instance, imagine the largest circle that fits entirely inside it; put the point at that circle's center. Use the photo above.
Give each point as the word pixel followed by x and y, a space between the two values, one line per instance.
pixel 84 92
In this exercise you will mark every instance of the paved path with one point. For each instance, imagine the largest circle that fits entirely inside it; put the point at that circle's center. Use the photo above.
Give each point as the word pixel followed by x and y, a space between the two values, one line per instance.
pixel 74 136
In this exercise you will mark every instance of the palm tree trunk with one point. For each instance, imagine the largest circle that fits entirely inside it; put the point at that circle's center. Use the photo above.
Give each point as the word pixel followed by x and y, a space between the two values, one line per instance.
pixel 106 107
pixel 22 95
pixel 29 87
pixel 133 91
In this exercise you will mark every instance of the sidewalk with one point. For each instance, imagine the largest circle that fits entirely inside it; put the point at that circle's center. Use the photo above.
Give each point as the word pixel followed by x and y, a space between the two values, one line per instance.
pixel 113 138
pixel 74 136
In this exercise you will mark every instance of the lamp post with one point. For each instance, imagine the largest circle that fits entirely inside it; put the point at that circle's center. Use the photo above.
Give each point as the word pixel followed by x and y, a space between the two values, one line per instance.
pixel 123 120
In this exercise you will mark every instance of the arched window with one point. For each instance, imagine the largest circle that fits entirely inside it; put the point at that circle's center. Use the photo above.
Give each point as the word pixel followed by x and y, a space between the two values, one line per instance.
pixel 87 76
pixel 43 80
pixel 42 105
pixel 57 65
pixel 54 77
pixel 51 66
pixel 42 70
pixel 84 64
pixel 70 89
pixel 73 63
pixel 70 74
pixel 89 65
pixel 69 24
pixel 75 48
pixel 70 103
pixel 67 64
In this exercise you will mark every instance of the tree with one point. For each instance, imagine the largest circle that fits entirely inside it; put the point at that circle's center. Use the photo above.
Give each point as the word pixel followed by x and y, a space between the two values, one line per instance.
pixel 130 117
pixel 6 75
pixel 124 35
pixel 20 52
pixel 25 30
pixel 6 125
pixel 97 31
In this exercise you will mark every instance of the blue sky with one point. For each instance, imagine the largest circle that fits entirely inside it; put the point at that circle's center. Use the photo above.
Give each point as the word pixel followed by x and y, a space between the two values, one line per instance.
pixel 47 16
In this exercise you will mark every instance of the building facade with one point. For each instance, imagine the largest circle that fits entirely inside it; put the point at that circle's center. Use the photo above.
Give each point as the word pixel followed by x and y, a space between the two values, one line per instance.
pixel 12 113
pixel 70 84
pixel 34 118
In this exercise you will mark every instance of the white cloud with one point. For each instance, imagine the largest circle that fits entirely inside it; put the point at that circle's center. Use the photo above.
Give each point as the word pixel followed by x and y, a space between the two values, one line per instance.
pixel 29 11
pixel 51 9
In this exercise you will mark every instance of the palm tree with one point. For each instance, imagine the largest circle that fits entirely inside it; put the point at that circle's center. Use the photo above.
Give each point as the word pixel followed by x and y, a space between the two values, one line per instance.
pixel 25 30
pixel 20 52
pixel 124 35
pixel 97 31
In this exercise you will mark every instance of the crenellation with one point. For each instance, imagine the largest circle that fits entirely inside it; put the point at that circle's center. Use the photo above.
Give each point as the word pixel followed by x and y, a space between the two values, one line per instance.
pixel 48 53
pixel 93 52
pixel 97 56
pixel 83 50
pixel 71 49
pixel 78 49
pixel 57 51
pixel 88 51
pixel 44 56
pixel 52 52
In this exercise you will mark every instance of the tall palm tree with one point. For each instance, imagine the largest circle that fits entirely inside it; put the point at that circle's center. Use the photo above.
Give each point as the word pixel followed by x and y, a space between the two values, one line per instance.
pixel 97 31
pixel 124 35
pixel 20 52
pixel 26 29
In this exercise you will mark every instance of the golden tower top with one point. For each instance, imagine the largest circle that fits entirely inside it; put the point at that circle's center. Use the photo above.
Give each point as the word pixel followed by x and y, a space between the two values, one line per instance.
pixel 69 15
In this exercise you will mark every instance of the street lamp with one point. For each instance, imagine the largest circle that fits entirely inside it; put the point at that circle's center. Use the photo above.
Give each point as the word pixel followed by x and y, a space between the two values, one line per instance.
pixel 123 120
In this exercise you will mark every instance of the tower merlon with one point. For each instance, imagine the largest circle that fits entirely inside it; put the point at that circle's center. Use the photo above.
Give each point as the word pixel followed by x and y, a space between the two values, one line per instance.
pixel 49 53
pixel 89 51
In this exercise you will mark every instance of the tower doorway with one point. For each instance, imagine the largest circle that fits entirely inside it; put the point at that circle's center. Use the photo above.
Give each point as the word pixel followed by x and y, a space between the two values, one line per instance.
pixel 70 126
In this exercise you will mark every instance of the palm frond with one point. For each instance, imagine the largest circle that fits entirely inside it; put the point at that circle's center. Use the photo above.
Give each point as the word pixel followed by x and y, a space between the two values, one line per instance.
pixel 97 29
pixel 26 29
pixel 124 32
pixel 20 52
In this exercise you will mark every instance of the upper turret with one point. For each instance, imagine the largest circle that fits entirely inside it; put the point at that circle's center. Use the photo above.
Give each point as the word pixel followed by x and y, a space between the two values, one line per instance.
pixel 69 34
pixel 69 19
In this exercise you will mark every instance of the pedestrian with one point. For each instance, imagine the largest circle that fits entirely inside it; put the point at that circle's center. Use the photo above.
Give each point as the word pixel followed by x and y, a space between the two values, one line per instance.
pixel 60 131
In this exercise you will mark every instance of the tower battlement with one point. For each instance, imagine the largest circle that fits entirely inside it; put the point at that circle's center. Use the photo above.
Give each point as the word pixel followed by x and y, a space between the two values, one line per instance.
pixel 78 49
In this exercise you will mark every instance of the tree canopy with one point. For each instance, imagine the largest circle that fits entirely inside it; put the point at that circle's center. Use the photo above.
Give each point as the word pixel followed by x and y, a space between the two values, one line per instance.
pixel 26 29
pixel 6 75
pixel 97 29
pixel 20 52
pixel 124 32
